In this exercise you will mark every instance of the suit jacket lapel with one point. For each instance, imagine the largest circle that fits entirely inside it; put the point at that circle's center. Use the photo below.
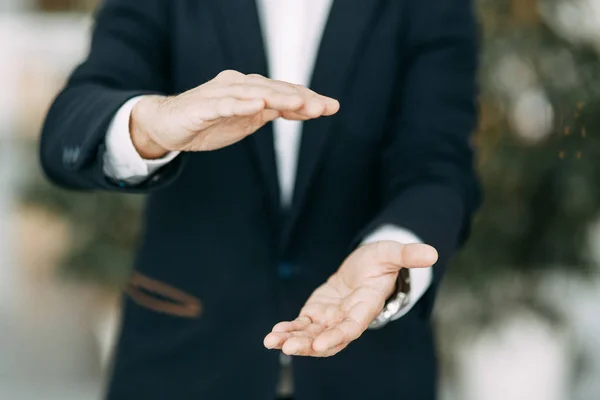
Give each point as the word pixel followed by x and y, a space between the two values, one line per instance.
pixel 349 24
pixel 244 50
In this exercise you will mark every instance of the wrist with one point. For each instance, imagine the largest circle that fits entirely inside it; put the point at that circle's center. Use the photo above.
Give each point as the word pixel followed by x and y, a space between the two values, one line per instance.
pixel 397 302
pixel 140 121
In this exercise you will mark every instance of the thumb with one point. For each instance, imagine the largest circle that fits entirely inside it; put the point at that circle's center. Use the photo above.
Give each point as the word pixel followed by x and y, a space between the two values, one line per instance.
pixel 414 255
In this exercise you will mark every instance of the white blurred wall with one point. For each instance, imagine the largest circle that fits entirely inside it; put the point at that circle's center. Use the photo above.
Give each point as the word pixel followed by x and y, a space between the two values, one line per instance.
pixel 12 6
pixel 48 347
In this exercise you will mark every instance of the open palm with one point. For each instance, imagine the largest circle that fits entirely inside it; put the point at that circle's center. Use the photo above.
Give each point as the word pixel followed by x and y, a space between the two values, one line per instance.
pixel 341 309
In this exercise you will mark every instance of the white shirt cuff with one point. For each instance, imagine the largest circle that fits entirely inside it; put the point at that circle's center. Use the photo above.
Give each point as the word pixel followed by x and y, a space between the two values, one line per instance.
pixel 122 162
pixel 420 278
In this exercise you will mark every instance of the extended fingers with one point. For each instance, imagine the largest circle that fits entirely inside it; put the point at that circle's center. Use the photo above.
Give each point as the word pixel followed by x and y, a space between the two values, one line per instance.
pixel 331 105
pixel 296 325
pixel 283 331
pixel 275 340
pixel 303 337
pixel 349 329
pixel 273 98
pixel 293 338
pixel 300 102
pixel 295 345
pixel 324 105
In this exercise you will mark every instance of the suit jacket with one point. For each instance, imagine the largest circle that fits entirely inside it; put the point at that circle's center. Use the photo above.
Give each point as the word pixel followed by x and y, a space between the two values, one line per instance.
pixel 208 282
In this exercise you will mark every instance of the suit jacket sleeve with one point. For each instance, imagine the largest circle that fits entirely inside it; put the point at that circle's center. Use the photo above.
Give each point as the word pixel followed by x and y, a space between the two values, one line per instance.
pixel 128 58
pixel 428 181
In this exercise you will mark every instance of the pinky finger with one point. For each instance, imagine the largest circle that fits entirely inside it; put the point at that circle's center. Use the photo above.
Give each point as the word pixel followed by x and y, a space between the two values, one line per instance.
pixel 333 351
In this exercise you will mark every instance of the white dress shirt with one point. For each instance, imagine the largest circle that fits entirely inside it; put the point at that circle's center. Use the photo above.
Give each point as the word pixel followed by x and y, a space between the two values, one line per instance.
pixel 292 30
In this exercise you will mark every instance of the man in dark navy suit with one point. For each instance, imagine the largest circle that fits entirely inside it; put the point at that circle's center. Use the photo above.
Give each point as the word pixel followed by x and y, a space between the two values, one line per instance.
pixel 267 201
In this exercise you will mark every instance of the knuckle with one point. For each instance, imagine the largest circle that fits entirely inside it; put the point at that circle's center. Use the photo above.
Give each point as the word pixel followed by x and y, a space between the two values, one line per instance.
pixel 229 74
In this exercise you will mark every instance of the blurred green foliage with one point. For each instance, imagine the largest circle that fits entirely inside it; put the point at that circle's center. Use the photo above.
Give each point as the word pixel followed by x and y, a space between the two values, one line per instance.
pixel 540 195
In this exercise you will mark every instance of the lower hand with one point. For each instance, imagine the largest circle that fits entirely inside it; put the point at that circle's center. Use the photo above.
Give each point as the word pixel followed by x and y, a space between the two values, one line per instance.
pixel 341 309
pixel 219 113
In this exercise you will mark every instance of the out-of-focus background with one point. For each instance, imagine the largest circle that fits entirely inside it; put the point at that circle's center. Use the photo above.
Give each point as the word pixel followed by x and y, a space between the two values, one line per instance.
pixel 519 314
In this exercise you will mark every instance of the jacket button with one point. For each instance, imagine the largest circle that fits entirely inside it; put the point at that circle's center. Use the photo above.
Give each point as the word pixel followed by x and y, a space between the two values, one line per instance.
pixel 70 155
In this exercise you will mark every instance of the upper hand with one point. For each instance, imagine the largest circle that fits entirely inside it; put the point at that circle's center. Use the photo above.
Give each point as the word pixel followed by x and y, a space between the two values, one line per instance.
pixel 341 309
pixel 220 112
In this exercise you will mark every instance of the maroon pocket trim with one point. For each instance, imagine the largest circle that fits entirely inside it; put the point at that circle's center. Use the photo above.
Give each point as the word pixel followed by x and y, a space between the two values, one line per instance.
pixel 166 299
